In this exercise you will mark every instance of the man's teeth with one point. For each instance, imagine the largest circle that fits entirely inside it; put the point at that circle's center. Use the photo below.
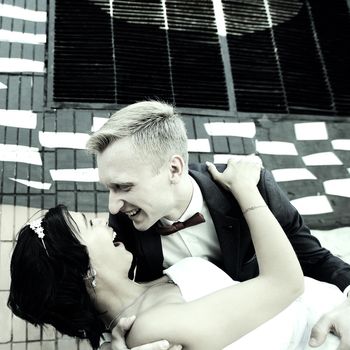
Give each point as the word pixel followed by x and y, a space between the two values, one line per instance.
pixel 132 212
pixel 114 236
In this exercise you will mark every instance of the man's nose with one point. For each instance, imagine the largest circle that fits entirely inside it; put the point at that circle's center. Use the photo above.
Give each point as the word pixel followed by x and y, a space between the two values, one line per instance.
pixel 115 203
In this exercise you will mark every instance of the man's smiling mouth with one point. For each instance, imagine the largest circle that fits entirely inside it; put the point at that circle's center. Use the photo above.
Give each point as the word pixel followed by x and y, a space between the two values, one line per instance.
pixel 132 213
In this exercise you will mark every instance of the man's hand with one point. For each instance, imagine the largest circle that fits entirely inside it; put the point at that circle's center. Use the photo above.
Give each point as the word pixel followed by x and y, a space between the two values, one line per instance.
pixel 118 338
pixel 336 321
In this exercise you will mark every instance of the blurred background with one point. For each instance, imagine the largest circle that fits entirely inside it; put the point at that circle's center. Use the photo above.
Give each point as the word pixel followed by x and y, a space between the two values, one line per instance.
pixel 266 76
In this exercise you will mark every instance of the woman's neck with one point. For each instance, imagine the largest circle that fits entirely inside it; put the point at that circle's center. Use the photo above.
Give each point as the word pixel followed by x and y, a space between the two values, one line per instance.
pixel 122 298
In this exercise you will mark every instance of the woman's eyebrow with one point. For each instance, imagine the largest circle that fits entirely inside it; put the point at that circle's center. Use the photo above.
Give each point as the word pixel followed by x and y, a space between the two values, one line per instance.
pixel 85 219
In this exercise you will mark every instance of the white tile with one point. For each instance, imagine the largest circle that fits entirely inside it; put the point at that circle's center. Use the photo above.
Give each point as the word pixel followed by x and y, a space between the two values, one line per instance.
pixel 322 158
pixel 311 131
pixel 50 345
pixel 19 329
pixel 198 145
pixel 63 139
pixel 84 345
pixel 2 85
pixel 231 129
pixel 23 38
pixel 5 254
pixel 223 158
pixel 6 346
pixel 21 13
pixel 337 187
pixel 97 123
pixel 34 333
pixel 276 147
pixel 312 205
pixel 19 346
pixel 83 175
pixel 18 119
pixel 336 240
pixel 34 345
pixel 49 333
pixel 20 154
pixel 66 343
pixel 7 222
pixel 292 174
pixel 21 216
pixel 341 144
pixel 21 65
pixel 5 318
pixel 33 184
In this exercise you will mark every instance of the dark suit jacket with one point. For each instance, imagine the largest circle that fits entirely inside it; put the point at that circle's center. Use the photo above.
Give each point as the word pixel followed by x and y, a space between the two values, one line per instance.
pixel 238 255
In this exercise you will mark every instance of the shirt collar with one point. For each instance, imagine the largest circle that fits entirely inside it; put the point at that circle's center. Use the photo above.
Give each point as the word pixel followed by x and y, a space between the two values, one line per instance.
pixel 195 206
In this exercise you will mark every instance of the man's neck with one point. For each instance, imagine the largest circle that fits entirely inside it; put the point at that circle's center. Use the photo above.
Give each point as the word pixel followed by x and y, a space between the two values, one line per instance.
pixel 182 198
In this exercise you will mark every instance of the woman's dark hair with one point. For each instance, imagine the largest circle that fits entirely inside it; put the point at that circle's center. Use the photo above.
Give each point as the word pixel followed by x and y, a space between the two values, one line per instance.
pixel 47 285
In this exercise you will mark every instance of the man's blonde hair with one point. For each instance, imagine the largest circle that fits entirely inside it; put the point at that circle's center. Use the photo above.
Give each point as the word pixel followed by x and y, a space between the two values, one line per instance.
pixel 154 128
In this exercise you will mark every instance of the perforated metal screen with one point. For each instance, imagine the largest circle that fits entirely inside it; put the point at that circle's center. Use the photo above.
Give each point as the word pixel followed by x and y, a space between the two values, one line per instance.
pixel 259 56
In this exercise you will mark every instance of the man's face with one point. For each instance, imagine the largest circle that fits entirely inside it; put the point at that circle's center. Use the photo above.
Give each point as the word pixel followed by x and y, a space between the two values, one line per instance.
pixel 134 187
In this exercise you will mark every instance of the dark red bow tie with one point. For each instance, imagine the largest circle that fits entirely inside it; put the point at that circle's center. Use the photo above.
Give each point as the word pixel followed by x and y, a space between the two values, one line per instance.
pixel 196 219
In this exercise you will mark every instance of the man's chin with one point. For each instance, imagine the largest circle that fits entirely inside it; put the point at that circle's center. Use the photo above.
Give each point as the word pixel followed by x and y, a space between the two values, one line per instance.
pixel 141 226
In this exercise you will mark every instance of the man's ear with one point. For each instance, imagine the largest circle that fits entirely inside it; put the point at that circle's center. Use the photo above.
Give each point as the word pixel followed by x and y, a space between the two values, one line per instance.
pixel 176 168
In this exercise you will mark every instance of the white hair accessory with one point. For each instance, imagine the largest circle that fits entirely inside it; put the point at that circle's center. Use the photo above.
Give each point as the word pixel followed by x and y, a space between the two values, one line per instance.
pixel 91 277
pixel 39 230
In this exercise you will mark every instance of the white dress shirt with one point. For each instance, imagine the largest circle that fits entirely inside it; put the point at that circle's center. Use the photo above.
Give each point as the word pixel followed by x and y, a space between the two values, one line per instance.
pixel 199 240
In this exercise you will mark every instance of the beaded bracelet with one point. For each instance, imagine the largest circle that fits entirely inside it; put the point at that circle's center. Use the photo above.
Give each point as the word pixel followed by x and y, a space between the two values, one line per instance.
pixel 253 207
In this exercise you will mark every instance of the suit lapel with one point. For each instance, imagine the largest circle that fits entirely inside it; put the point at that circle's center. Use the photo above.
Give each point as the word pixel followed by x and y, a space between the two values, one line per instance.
pixel 224 210
pixel 150 264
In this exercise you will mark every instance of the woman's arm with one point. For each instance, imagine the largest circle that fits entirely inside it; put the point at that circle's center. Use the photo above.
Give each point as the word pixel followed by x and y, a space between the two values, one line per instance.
pixel 219 319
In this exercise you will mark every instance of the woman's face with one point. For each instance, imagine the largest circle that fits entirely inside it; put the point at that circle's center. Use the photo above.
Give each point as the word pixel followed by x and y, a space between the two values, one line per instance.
pixel 98 238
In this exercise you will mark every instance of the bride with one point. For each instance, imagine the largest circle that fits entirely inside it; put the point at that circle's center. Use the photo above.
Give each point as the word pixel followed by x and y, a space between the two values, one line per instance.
pixel 66 271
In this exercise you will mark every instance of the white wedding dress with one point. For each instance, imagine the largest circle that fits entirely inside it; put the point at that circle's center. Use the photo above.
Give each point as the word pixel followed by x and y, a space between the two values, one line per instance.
pixel 289 330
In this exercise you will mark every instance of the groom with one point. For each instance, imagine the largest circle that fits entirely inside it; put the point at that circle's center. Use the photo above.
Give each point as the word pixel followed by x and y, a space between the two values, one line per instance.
pixel 155 198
